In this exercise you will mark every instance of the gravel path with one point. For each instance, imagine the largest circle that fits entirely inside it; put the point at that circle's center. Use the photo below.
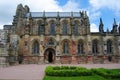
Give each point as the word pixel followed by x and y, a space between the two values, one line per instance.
pixel 36 71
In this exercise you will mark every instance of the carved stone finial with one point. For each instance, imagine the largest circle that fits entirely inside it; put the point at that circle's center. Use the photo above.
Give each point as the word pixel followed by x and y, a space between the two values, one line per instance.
pixel 71 14
pixel 107 30
pixel 114 30
pixel 27 9
pixel 114 22
pixel 44 14
pixel 82 14
pixel 86 14
pixel 19 10
pixel 58 19
pixel 101 21
pixel 58 14
pixel 101 26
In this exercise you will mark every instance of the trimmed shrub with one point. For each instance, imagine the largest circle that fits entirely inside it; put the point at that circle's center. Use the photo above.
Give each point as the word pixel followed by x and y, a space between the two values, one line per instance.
pixel 72 67
pixel 106 73
pixel 81 71
pixel 67 71
pixel 64 67
pixel 56 68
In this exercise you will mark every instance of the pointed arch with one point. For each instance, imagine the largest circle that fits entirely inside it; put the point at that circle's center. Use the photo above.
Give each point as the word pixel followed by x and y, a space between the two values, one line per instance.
pixel 64 24
pixel 80 46
pixel 75 28
pixel 95 46
pixel 40 27
pixel 109 46
pixel 66 46
pixel 35 47
pixel 52 28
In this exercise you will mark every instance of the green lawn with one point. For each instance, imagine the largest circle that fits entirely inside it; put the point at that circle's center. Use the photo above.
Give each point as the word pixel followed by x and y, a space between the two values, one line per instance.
pixel 74 78
pixel 80 73
pixel 95 77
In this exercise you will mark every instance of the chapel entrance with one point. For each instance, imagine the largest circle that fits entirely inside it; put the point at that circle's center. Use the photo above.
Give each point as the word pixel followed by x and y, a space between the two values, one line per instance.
pixel 49 55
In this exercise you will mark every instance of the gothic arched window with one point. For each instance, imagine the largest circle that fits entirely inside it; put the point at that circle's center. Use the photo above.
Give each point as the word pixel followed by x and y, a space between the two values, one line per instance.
pixel 64 28
pixel 40 29
pixel 52 29
pixel 65 47
pixel 95 46
pixel 80 47
pixel 35 47
pixel 109 46
pixel 76 28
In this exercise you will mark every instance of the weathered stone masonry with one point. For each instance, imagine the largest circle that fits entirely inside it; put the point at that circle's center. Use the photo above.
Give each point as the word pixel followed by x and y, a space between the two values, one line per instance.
pixel 61 37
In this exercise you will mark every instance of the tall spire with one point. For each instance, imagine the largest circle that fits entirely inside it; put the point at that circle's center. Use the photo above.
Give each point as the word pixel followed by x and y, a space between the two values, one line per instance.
pixel 101 26
pixel 101 21
pixel 86 14
pixel 58 19
pixel 108 30
pixel 114 30
pixel 71 14
pixel 114 22
pixel 58 14
pixel 44 14
pixel 71 19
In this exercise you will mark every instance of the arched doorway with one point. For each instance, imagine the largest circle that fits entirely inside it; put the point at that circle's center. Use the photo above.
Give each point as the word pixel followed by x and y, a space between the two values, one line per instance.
pixel 49 55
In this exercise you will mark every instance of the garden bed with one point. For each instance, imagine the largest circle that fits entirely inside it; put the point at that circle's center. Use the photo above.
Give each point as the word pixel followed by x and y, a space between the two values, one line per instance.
pixel 67 71
pixel 80 73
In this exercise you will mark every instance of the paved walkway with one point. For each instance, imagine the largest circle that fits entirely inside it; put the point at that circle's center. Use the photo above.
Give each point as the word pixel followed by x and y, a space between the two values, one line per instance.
pixel 36 71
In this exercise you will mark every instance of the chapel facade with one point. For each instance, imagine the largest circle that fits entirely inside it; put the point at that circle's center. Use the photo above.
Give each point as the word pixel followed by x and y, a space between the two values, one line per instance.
pixel 61 37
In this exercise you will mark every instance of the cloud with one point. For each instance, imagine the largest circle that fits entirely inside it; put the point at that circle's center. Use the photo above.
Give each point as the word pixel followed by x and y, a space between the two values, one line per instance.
pixel 110 4
pixel 8 8
pixel 93 27
pixel 41 5
pixel 71 5
pixel 1 26
pixel 94 15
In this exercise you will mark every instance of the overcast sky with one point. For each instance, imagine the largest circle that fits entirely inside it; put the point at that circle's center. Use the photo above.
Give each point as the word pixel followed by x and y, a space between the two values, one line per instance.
pixel 106 9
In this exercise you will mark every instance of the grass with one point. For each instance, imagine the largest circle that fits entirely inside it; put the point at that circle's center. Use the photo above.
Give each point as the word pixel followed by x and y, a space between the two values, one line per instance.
pixel 95 77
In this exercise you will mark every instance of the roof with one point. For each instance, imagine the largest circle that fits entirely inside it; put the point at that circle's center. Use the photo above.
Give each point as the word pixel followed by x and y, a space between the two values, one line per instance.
pixel 6 27
pixel 53 14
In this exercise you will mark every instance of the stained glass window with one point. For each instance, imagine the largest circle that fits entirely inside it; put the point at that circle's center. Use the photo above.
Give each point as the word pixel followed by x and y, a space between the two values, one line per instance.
pixel 76 29
pixel 80 47
pixel 52 29
pixel 65 47
pixel 40 29
pixel 36 47
pixel 64 28
pixel 95 46
pixel 109 46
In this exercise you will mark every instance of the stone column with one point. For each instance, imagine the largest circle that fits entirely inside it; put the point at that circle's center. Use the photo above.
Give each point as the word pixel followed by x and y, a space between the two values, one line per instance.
pixel 74 50
pixel 89 52
pixel 41 57
pixel 101 45
pixel 57 49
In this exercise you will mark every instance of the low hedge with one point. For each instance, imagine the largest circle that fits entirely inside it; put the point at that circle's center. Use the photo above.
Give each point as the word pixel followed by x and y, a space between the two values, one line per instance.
pixel 67 71
pixel 107 73
pixel 81 71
